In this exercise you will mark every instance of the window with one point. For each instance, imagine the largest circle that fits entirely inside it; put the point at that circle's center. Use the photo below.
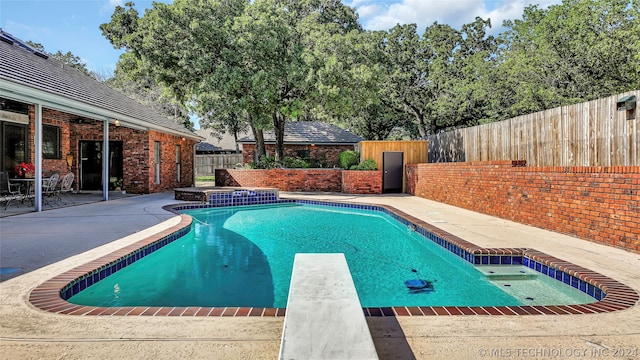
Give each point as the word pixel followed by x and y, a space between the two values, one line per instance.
pixel 178 160
pixel 14 145
pixel 303 154
pixel 50 142
pixel 156 162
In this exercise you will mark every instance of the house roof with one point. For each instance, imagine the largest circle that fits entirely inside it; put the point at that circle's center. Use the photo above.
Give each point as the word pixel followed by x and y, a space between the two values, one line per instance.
pixel 310 132
pixel 30 76
pixel 226 143
pixel 206 147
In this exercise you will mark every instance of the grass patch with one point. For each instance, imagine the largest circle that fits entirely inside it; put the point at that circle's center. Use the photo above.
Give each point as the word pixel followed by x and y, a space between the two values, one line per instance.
pixel 205 178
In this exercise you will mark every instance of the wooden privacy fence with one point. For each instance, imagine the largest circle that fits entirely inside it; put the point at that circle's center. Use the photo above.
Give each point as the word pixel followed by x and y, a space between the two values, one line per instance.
pixel 594 133
pixel 208 163
pixel 415 151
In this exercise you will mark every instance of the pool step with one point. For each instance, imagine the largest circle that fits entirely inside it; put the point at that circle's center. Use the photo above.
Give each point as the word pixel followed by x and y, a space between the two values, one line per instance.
pixel 506 272
pixel 324 318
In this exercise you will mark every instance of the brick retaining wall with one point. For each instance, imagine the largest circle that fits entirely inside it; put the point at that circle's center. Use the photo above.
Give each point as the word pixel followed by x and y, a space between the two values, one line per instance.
pixel 599 204
pixel 282 179
pixel 320 180
pixel 361 182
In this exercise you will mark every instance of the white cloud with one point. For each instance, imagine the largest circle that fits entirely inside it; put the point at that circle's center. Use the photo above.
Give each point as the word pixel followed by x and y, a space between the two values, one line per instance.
pixel 380 15
pixel 366 11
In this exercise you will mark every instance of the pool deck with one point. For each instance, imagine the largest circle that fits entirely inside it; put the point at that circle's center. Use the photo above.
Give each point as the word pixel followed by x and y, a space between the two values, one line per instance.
pixel 78 234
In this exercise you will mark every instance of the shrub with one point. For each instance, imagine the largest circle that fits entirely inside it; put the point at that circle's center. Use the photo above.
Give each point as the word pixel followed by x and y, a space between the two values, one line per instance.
pixel 349 158
pixel 368 164
pixel 295 162
pixel 266 162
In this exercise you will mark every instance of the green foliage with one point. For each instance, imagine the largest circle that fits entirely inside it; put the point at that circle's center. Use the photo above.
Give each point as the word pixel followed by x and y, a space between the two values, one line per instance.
pixel 349 158
pixel 207 178
pixel 266 162
pixel 270 162
pixel 240 64
pixel 368 164
pixel 295 162
pixel 576 51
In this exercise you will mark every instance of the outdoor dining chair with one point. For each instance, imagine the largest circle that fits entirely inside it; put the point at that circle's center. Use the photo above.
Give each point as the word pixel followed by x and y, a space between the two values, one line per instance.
pixel 65 187
pixel 8 191
pixel 49 190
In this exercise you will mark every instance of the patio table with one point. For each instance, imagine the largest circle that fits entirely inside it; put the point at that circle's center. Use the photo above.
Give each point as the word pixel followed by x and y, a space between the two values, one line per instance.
pixel 26 187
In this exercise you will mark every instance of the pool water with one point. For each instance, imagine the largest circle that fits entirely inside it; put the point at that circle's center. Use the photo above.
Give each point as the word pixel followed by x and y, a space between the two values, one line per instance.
pixel 243 256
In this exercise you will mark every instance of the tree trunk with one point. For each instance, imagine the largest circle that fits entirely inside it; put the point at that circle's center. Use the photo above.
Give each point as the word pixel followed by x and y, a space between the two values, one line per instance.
pixel 259 136
pixel 278 127
pixel 423 128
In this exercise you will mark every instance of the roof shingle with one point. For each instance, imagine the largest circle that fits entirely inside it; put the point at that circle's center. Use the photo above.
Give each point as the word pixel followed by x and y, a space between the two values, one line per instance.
pixel 310 132
pixel 23 67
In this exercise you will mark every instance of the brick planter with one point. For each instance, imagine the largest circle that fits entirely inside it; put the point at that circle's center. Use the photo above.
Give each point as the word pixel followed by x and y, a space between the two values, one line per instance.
pixel 321 180
pixel 362 182
pixel 315 180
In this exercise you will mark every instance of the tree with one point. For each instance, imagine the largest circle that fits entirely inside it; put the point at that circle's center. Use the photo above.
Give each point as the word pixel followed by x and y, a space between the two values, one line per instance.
pixel 576 51
pixel 231 60
pixel 462 65
pixel 441 78
pixel 405 87
pixel 347 81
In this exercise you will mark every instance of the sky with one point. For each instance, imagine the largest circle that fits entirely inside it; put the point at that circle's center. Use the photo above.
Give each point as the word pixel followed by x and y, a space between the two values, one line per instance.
pixel 73 25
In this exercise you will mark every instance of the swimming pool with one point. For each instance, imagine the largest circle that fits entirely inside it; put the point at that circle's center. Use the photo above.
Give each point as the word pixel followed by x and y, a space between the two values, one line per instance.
pixel 242 257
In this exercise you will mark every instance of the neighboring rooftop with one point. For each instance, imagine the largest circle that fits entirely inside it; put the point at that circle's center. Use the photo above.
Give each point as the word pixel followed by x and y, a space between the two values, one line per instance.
pixel 205 147
pixel 28 73
pixel 225 143
pixel 310 132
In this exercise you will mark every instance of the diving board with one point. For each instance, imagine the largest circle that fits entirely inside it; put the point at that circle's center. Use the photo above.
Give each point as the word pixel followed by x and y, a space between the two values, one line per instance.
pixel 324 318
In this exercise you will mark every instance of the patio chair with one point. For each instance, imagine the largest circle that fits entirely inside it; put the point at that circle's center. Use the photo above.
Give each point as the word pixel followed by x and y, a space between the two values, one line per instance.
pixel 49 187
pixel 8 191
pixel 65 187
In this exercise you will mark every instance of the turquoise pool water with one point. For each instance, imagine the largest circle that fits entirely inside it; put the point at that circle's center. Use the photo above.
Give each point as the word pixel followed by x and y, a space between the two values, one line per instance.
pixel 243 256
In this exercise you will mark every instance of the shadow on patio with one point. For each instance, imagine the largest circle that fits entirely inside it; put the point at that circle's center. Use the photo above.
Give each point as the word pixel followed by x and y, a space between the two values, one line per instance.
pixel 68 199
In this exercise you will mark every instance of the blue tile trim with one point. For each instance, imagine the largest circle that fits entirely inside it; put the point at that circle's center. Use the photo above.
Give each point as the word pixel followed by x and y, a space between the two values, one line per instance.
pixel 554 273
pixel 104 271
pixel 565 278
pixel 246 197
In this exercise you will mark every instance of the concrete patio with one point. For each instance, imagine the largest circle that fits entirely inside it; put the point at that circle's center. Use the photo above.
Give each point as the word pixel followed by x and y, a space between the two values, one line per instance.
pixel 44 244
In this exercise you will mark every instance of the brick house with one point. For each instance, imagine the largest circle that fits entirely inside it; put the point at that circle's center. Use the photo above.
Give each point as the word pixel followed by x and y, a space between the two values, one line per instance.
pixel 64 121
pixel 317 142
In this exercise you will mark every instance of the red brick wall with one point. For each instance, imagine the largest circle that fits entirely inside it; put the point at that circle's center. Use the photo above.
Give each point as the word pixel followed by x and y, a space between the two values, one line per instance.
pixel 61 120
pixel 282 179
pixel 168 168
pixel 332 180
pixel 599 204
pixel 137 152
pixel 361 182
pixel 328 154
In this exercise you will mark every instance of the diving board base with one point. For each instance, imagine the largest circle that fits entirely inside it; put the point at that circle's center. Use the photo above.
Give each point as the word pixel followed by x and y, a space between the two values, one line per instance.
pixel 324 318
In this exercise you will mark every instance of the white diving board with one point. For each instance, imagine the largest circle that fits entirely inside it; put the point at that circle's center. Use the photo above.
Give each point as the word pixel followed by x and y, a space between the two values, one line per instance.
pixel 324 318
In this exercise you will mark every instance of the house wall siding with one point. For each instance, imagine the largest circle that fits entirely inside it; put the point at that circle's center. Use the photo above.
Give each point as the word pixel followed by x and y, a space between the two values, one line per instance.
pixel 168 168
pixel 599 204
pixel 137 151
pixel 61 120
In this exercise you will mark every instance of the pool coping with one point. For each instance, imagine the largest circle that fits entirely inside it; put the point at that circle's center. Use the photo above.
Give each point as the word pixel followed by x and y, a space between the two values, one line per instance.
pixel 48 296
